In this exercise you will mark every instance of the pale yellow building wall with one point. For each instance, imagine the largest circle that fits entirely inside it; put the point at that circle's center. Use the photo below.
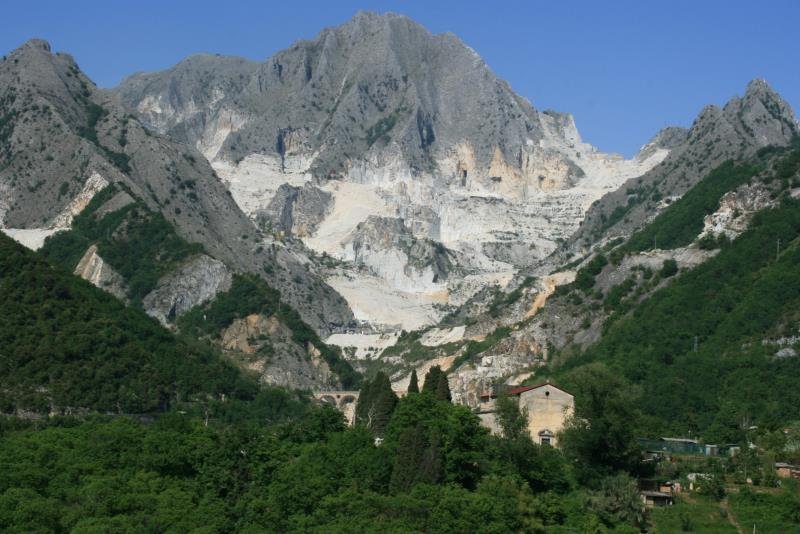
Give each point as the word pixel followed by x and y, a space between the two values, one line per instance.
pixel 548 408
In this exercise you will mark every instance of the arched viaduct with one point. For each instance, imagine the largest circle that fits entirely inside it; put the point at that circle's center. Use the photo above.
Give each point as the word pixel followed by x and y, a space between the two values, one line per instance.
pixel 344 401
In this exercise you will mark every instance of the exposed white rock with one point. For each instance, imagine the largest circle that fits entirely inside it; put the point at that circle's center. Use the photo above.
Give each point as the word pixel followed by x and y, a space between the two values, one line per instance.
pixel 736 208
pixel 440 336
pixel 93 185
pixel 5 201
pixel 254 180
pixel 525 219
pixel 196 282
pixel 32 238
pixel 469 381
pixel 363 346
pixel 353 203
pixel 92 268
pixel 498 218
pixel 373 300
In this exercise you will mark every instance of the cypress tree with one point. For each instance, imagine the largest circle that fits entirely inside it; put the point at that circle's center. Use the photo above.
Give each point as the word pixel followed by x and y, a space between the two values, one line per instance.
pixel 384 403
pixel 365 400
pixel 443 388
pixel 376 402
pixel 418 459
pixel 413 386
pixel 407 460
pixel 432 380
pixel 430 467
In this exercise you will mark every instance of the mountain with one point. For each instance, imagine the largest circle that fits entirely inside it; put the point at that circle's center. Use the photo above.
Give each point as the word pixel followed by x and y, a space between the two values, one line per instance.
pixel 395 154
pixel 136 255
pixel 62 141
pixel 736 131
pixel 384 169
pixel 564 306
pixel 700 323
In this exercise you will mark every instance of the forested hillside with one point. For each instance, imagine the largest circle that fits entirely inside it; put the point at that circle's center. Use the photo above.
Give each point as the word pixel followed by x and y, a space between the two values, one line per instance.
pixel 66 345
pixel 706 349
pixel 136 242
pixel 143 248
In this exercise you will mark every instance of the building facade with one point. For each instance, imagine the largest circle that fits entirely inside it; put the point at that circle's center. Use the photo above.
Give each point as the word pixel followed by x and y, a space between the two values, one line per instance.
pixel 548 408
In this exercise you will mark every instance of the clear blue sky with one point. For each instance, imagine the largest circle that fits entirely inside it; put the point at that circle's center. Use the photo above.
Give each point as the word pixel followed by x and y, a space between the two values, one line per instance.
pixel 624 69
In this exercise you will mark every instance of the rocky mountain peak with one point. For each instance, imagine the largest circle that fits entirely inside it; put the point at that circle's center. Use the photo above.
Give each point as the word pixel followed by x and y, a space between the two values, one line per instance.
pixel 34 63
pixel 35 44
pixel 367 22
pixel 759 87
pixel 762 113
pixel 377 83
pixel 391 123
pixel 758 118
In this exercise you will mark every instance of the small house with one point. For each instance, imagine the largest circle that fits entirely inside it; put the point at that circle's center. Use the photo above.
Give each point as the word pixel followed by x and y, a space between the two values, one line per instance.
pixel 548 407
pixel 673 487
pixel 652 499
pixel 784 470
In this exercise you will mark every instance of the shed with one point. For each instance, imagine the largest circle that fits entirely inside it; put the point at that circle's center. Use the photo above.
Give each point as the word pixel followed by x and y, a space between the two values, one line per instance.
pixel 657 498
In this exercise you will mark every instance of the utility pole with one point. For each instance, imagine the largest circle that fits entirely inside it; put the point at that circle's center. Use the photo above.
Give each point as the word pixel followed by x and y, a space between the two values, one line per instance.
pixel 695 343
pixel 777 249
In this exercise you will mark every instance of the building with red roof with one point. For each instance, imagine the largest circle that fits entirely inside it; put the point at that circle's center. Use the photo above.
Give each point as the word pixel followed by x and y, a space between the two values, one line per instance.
pixel 547 405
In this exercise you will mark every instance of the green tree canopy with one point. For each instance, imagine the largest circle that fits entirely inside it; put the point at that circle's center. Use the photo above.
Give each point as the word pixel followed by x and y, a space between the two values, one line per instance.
pixel 436 383
pixel 600 436
pixel 376 402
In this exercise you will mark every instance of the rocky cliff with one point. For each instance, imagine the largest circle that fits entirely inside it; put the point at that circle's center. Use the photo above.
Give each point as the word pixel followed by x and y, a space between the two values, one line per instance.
pixel 379 119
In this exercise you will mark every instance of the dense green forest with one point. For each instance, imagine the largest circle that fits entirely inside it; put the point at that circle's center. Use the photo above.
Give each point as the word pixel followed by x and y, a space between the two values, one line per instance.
pixel 281 464
pixel 307 473
pixel 65 344
pixel 703 349
pixel 248 295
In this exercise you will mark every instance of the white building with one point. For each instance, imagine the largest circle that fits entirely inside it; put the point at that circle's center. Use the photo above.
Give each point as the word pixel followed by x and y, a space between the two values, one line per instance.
pixel 547 405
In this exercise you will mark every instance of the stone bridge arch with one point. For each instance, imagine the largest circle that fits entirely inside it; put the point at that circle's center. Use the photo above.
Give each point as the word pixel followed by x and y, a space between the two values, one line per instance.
pixel 344 401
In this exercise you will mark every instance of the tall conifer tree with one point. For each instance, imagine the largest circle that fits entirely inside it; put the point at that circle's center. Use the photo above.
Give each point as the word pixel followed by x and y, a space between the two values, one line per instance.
pixel 413 385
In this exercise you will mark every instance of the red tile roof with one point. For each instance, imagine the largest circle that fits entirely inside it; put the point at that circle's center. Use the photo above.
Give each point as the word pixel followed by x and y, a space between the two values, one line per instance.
pixel 517 390
pixel 520 389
